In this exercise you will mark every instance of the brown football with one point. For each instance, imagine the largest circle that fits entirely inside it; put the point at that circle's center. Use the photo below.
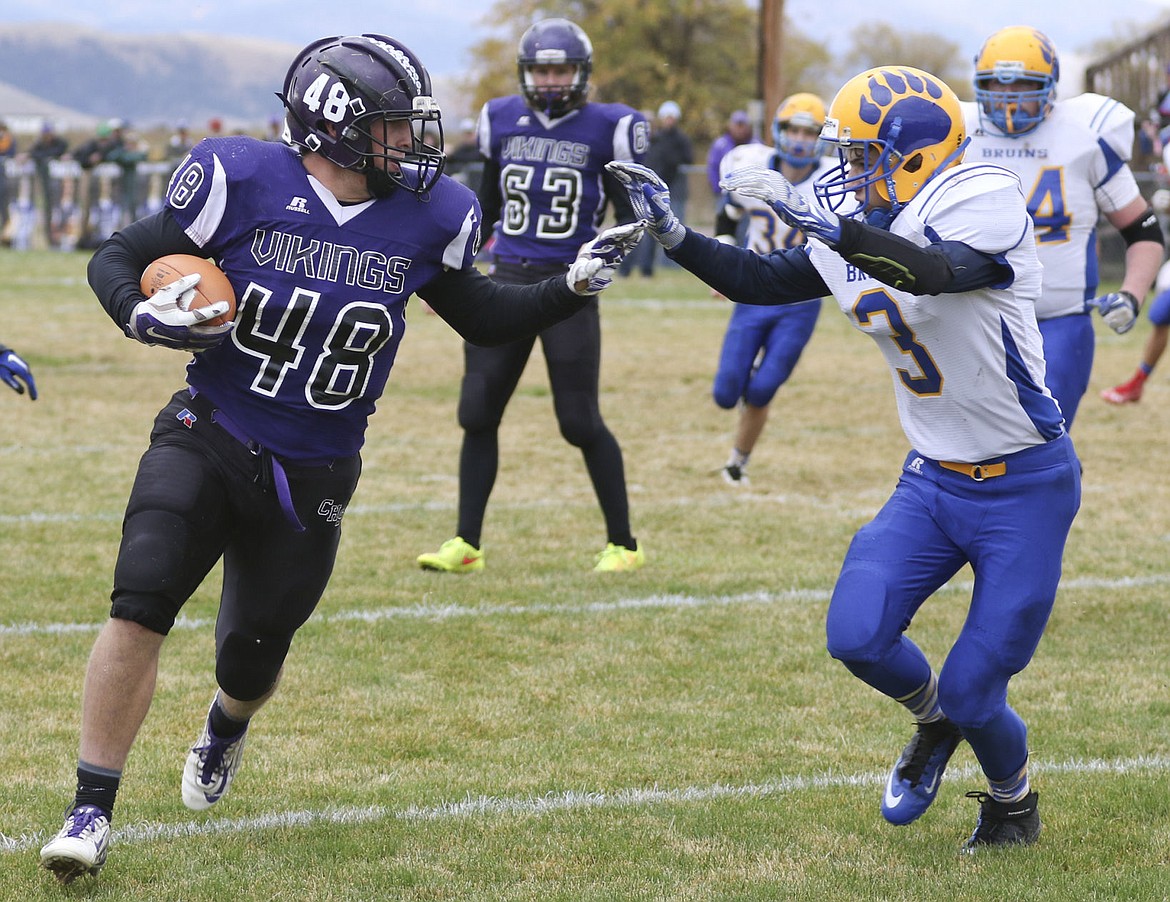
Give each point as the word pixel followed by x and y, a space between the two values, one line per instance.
pixel 213 283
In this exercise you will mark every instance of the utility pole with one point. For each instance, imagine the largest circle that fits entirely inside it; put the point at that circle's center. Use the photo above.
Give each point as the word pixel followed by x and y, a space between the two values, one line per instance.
pixel 771 82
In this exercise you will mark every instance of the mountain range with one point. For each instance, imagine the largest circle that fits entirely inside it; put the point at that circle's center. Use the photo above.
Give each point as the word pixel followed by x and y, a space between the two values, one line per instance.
pixel 76 77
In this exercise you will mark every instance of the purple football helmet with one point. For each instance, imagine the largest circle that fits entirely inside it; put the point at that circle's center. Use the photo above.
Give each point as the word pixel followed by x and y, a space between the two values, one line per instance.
pixel 338 87
pixel 554 42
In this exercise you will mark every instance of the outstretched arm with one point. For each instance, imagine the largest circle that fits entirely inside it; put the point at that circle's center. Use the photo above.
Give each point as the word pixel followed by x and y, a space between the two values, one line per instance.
pixel 944 267
pixel 486 312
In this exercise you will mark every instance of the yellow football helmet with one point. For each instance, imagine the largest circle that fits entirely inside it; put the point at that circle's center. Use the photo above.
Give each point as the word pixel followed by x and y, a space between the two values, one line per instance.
pixel 1016 54
pixel 909 127
pixel 802 109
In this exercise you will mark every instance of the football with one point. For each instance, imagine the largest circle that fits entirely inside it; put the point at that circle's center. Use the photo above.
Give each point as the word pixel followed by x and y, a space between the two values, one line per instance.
pixel 213 283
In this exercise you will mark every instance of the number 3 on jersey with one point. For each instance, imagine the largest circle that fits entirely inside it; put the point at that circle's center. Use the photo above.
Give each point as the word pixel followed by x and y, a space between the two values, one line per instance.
pixel 878 303
pixel 560 184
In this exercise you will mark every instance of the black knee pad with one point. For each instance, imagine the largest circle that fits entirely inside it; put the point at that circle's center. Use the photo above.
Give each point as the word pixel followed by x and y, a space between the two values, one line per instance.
pixel 158 567
pixel 579 419
pixel 246 666
pixel 479 410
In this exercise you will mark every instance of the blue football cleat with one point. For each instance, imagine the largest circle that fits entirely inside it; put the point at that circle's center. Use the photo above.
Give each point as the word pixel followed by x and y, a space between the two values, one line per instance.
pixel 916 776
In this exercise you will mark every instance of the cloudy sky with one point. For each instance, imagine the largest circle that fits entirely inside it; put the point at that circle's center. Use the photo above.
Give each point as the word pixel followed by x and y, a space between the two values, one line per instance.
pixel 442 32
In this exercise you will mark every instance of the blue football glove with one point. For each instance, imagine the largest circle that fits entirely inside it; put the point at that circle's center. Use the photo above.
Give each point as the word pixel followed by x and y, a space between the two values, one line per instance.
pixel 1119 310
pixel 650 199
pixel 14 371
pixel 598 260
pixel 790 205
pixel 163 318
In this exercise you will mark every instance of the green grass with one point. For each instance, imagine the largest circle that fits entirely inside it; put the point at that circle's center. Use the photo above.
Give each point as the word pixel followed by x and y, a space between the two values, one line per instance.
pixel 538 732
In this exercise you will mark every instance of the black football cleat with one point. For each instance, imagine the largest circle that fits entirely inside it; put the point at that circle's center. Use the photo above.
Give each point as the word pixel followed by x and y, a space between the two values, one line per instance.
pixel 1004 823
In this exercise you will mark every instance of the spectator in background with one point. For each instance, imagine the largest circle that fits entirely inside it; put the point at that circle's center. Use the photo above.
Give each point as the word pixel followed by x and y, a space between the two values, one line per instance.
pixel 101 148
pixel 1164 106
pixel 739 131
pixel 179 143
pixel 670 149
pixel 106 140
pixel 48 147
pixel 465 162
pixel 7 152
pixel 132 150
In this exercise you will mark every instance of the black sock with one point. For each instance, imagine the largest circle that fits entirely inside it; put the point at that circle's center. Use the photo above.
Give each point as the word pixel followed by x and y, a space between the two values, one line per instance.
pixel 97 786
pixel 222 724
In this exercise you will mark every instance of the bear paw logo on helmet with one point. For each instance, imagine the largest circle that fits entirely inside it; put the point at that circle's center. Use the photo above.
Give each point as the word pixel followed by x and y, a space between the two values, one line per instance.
pixel 909 127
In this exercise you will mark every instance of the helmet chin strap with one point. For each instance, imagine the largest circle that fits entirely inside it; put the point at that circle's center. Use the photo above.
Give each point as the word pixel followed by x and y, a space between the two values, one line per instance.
pixel 379 182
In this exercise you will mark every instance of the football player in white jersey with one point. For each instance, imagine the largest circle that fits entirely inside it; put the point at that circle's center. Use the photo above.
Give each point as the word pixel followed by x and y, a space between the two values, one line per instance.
pixel 1072 159
pixel 762 345
pixel 938 265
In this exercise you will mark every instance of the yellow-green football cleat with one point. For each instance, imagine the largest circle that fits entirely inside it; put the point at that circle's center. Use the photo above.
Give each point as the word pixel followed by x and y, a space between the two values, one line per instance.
pixel 453 556
pixel 618 558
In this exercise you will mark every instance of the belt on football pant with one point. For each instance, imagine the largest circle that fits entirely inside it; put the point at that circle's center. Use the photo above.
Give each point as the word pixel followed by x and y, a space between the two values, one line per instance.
pixel 978 472
pixel 270 460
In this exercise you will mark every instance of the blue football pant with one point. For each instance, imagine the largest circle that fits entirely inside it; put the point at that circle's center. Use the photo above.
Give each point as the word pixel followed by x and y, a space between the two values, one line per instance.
pixel 780 332
pixel 1012 530
pixel 1069 343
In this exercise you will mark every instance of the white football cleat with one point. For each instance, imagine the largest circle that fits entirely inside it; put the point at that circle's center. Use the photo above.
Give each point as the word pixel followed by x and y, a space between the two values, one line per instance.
pixel 211 765
pixel 80 847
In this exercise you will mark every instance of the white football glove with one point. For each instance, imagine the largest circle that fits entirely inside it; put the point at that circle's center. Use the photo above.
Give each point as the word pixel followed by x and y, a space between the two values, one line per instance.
pixel 1119 310
pixel 164 318
pixel 790 205
pixel 598 260
pixel 650 198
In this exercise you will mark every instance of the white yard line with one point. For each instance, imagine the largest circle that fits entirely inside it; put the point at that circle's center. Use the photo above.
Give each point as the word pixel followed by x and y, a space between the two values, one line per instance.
pixel 430 611
pixel 568 800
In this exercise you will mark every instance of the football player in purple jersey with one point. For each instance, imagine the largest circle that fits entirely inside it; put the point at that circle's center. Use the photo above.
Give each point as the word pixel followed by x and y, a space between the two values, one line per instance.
pixel 324 237
pixel 545 189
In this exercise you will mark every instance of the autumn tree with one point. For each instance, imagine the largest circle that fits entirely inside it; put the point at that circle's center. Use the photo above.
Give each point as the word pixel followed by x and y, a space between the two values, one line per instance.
pixel 881 44
pixel 703 54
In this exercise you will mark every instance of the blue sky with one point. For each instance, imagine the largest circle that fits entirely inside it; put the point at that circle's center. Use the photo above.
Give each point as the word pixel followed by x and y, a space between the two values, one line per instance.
pixel 442 32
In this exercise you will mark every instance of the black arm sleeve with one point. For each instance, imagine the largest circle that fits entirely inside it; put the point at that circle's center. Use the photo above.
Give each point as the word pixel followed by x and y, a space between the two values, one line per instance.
pixel 116 268
pixel 724 224
pixel 781 277
pixel 490 199
pixel 487 313
pixel 1144 228
pixel 948 267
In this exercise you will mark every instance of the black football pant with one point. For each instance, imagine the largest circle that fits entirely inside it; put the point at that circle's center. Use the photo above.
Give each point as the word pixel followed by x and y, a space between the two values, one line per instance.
pixel 200 495
pixel 572 353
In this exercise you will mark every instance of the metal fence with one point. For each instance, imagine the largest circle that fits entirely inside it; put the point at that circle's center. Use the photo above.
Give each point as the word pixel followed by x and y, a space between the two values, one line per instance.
pixel 86 206
pixel 66 207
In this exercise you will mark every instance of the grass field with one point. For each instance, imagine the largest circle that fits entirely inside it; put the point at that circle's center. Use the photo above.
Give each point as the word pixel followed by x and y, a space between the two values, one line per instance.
pixel 541 732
